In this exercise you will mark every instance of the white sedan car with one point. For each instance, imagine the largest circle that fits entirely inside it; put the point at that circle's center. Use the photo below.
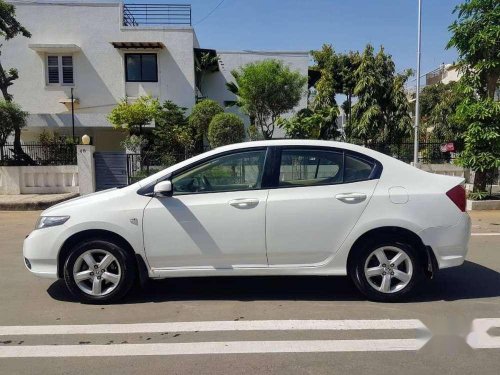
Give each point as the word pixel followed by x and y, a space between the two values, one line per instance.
pixel 289 207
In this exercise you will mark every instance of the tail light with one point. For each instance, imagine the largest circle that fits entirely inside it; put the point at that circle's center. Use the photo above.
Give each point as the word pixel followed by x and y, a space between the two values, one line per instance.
pixel 457 196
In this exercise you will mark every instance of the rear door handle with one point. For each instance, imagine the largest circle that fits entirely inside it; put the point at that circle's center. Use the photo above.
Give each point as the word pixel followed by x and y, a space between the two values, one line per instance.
pixel 244 202
pixel 351 197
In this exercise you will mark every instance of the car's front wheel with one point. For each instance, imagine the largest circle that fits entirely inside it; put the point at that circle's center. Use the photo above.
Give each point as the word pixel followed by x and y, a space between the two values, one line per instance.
pixel 386 271
pixel 99 271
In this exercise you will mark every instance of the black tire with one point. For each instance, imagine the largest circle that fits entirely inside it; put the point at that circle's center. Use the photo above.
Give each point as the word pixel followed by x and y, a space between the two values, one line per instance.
pixel 357 270
pixel 126 262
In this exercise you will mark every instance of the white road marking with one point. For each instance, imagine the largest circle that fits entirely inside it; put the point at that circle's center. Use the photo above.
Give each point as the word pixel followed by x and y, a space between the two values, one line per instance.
pixel 209 326
pixel 224 347
pixel 485 234
pixel 479 338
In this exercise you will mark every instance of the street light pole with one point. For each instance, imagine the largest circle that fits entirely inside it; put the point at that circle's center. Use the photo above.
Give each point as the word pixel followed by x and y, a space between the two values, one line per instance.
pixel 72 115
pixel 417 101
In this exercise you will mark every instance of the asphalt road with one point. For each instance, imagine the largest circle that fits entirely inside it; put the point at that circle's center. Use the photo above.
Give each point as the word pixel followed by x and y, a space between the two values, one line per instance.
pixel 318 324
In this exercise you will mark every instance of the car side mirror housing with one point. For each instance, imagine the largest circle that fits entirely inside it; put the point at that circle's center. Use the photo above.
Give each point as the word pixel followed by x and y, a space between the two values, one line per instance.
pixel 164 189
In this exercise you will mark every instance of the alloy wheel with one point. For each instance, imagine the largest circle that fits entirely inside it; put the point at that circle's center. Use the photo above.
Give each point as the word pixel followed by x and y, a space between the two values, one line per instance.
pixel 388 269
pixel 97 272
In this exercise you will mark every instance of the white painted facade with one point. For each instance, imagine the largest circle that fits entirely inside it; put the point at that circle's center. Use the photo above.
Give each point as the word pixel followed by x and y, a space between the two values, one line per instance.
pixel 85 30
pixel 445 74
pixel 214 85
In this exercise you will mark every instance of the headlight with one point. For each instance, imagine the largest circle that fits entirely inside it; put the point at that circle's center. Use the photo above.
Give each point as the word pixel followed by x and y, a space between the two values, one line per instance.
pixel 50 221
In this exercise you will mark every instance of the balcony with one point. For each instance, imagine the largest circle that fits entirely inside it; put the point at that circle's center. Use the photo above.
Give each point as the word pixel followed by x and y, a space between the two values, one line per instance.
pixel 156 14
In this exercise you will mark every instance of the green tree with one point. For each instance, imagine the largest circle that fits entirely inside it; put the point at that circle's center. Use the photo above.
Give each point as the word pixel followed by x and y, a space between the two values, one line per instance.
pixel 329 84
pixel 133 116
pixel 337 77
pixel 382 111
pixel 10 28
pixel 225 129
pixel 476 35
pixel 11 117
pixel 265 90
pixel 173 137
pixel 349 63
pixel 308 124
pixel 202 113
pixel 438 105
pixel 482 138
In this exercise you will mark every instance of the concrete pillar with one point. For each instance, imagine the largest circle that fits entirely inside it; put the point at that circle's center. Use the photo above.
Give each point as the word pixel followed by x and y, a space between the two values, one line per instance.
pixel 86 168
pixel 10 180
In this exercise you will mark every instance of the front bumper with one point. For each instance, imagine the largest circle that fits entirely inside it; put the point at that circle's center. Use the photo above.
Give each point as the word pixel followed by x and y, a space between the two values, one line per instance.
pixel 450 244
pixel 40 249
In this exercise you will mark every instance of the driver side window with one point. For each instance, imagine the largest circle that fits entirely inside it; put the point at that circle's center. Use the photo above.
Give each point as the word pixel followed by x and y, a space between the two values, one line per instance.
pixel 234 172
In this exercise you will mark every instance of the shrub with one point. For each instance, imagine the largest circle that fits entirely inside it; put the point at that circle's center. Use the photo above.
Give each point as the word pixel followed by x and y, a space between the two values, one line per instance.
pixel 203 112
pixel 11 115
pixel 224 129
pixel 172 134
pixel 133 116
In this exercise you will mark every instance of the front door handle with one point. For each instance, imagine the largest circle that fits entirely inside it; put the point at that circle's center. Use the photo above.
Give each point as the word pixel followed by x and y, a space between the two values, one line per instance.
pixel 351 197
pixel 244 202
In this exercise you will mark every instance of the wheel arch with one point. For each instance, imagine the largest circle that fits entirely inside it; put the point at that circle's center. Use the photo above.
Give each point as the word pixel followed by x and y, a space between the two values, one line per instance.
pixel 426 254
pixel 102 234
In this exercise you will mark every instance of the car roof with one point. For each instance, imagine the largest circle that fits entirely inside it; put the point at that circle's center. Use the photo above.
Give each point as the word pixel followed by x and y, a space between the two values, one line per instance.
pixel 302 142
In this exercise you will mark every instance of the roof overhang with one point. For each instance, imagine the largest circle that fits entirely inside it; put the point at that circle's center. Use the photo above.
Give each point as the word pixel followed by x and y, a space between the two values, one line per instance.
pixel 138 45
pixel 54 48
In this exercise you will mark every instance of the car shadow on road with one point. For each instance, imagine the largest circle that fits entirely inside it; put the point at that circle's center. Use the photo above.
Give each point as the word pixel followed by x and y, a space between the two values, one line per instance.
pixel 470 281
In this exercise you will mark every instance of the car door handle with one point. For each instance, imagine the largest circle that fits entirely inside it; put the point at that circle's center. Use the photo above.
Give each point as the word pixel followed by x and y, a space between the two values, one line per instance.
pixel 244 202
pixel 351 197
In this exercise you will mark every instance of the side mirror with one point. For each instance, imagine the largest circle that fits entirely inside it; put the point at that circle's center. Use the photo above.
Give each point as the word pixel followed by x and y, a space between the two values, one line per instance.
pixel 164 189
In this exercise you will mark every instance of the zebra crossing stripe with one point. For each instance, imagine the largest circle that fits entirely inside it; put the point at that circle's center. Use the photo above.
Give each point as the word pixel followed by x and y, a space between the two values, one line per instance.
pixel 223 347
pixel 421 334
pixel 479 338
pixel 210 326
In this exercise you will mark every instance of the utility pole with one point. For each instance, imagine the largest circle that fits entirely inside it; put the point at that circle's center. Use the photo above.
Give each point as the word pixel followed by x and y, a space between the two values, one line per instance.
pixel 72 114
pixel 417 101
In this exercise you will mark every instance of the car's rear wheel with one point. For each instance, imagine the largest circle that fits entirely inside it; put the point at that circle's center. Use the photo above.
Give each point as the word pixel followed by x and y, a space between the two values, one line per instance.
pixel 386 270
pixel 99 271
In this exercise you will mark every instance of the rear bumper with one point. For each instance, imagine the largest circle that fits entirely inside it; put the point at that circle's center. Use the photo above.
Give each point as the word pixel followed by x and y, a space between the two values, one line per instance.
pixel 450 244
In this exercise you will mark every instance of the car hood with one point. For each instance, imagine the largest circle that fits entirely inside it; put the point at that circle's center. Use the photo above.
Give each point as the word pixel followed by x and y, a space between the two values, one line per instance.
pixel 60 208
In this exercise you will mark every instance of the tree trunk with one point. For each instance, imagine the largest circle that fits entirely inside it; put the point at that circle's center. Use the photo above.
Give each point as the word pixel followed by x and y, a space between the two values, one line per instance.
pixel 492 84
pixel 480 179
pixel 348 112
pixel 18 150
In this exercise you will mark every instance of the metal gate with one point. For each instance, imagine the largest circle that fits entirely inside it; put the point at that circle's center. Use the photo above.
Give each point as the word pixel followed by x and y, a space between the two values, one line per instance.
pixel 110 170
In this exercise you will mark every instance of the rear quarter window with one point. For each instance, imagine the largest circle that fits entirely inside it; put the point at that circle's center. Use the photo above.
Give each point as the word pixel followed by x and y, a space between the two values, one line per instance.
pixel 357 169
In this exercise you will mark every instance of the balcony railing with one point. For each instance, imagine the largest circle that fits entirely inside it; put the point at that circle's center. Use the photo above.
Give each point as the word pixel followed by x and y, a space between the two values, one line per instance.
pixel 156 14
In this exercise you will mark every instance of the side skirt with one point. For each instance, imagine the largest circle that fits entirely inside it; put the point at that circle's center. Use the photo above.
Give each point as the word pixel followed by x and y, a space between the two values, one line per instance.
pixel 246 271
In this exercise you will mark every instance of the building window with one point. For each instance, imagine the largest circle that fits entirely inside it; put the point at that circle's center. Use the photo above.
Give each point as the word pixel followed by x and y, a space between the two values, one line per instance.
pixel 141 67
pixel 60 70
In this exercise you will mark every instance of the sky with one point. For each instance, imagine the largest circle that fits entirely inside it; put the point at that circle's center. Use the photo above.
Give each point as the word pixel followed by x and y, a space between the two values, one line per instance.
pixel 303 25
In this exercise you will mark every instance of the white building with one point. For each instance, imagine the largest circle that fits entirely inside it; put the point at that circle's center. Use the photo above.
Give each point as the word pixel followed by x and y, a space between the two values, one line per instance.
pixel 445 74
pixel 105 51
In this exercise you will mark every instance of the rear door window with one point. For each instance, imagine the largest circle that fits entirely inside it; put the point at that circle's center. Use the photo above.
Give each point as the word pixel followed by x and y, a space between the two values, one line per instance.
pixel 310 167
